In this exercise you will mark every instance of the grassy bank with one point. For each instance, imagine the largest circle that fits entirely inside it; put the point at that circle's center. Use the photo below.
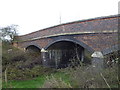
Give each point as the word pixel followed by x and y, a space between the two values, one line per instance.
pixel 70 78
pixel 37 82
pixel 33 83
pixel 24 70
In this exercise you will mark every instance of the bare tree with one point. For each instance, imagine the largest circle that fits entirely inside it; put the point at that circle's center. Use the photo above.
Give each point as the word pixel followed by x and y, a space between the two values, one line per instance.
pixel 8 33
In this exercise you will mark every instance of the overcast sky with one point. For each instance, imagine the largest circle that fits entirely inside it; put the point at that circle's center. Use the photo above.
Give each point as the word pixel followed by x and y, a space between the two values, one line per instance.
pixel 33 15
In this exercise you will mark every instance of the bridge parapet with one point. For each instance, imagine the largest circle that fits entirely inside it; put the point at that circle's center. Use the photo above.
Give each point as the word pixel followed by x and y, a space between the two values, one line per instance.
pixel 98 25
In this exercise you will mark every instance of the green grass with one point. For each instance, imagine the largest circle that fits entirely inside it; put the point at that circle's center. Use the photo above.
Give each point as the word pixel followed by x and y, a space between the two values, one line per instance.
pixel 34 83
pixel 40 81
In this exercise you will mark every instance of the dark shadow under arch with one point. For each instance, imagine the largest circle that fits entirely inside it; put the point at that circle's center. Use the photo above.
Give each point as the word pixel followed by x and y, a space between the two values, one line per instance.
pixel 33 45
pixel 33 48
pixel 74 41
pixel 62 52
pixel 34 55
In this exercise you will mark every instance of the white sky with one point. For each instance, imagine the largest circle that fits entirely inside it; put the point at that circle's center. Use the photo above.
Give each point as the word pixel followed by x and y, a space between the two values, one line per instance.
pixel 33 15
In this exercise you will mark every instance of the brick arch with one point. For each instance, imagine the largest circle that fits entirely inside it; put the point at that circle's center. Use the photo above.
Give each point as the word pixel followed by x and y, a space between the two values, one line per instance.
pixel 71 40
pixel 33 45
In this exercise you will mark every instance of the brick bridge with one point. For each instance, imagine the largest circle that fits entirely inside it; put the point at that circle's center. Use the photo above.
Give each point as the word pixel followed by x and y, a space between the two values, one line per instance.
pixel 58 44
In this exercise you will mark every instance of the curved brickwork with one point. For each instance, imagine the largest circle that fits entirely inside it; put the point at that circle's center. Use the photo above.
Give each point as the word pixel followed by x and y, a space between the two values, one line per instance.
pixel 88 36
pixel 99 42
pixel 99 24
pixel 91 42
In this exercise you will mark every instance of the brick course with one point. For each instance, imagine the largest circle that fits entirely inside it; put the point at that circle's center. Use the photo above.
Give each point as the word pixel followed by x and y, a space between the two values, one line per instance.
pixel 97 42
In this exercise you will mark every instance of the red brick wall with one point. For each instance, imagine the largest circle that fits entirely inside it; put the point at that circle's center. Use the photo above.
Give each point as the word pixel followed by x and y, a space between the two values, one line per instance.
pixel 87 25
pixel 97 42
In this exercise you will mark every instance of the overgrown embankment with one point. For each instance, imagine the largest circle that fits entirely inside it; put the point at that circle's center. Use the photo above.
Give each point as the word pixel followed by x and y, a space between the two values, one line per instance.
pixel 23 70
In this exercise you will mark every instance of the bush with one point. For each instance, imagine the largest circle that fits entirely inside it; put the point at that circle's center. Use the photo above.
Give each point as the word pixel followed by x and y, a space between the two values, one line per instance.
pixel 13 73
pixel 12 58
pixel 11 54
pixel 53 82
pixel 21 65
pixel 86 77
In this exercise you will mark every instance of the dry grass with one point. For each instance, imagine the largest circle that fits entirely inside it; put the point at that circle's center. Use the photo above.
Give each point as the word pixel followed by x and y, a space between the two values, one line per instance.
pixel 53 82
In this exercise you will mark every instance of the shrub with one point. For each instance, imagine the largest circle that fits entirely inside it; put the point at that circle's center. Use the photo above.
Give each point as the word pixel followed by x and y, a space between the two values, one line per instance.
pixel 21 65
pixel 13 73
pixel 11 54
pixel 53 82
pixel 86 77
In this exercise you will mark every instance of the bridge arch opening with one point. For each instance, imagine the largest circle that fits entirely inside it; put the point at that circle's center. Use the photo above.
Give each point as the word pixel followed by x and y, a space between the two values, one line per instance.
pixel 33 50
pixel 64 53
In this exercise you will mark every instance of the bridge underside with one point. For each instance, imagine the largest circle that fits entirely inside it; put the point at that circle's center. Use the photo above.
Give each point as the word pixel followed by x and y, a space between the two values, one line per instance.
pixel 64 53
pixel 60 54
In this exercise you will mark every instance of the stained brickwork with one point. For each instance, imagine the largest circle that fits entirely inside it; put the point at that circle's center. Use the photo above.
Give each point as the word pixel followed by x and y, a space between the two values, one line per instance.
pixel 91 41
pixel 99 42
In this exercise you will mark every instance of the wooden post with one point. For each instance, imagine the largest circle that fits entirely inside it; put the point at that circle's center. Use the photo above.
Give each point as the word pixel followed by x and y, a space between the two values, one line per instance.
pixel 6 76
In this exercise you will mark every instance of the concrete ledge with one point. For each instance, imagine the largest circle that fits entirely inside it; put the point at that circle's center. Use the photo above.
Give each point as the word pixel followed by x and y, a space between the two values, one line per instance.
pixel 72 33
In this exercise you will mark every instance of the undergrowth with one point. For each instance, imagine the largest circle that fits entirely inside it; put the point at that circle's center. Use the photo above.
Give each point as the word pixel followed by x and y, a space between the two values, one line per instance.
pixel 22 70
